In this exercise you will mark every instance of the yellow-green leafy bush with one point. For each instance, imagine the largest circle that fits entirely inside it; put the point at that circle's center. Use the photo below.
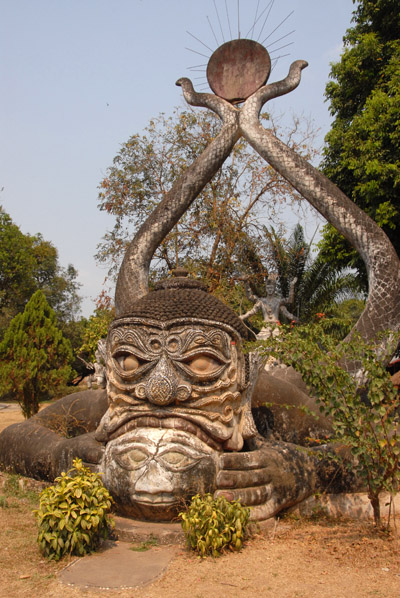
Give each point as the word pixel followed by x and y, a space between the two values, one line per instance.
pixel 211 525
pixel 73 514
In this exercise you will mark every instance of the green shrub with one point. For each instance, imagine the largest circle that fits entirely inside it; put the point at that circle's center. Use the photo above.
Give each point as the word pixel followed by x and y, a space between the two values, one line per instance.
pixel 211 525
pixel 73 514
pixel 364 409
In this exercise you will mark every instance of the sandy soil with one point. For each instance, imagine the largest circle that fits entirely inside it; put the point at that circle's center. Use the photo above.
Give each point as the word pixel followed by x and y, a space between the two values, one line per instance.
pixel 10 415
pixel 297 559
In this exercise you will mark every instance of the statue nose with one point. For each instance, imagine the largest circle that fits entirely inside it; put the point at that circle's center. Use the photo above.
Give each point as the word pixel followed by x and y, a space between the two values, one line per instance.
pixel 154 480
pixel 162 387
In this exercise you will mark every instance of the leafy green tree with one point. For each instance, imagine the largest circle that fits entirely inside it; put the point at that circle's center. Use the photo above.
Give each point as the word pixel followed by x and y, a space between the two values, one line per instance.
pixel 215 234
pixel 29 263
pixel 16 263
pixel 35 356
pixel 96 328
pixel 340 317
pixel 362 154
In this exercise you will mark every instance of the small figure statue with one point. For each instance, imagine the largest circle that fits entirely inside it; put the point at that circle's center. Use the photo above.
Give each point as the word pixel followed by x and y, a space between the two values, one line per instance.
pixel 96 372
pixel 272 306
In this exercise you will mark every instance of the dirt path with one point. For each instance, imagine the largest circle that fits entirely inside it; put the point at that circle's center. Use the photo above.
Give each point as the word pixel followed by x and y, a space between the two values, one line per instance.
pixel 302 560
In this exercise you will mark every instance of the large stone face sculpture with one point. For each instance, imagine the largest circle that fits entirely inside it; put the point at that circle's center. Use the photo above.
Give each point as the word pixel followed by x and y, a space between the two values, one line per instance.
pixel 179 389
pixel 178 356
pixel 178 414
pixel 178 396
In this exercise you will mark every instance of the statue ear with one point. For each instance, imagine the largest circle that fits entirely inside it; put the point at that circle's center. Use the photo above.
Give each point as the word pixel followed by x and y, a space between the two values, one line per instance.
pixel 253 365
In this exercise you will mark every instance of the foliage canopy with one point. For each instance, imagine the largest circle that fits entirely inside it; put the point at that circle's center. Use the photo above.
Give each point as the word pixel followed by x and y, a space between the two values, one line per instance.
pixel 320 286
pixel 29 263
pixel 362 154
pixel 222 227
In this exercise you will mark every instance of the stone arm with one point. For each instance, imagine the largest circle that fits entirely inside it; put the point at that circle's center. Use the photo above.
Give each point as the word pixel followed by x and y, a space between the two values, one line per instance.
pixel 46 444
pixel 252 311
pixel 132 283
pixel 284 311
pixel 288 301
pixel 290 298
pixel 249 293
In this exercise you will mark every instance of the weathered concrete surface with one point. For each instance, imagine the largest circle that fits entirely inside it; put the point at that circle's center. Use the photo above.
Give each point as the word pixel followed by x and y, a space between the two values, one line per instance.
pixel 132 530
pixel 283 396
pixel 118 566
pixel 355 505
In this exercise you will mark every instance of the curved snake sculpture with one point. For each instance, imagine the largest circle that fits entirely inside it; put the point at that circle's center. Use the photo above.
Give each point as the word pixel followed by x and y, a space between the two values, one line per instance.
pixel 382 310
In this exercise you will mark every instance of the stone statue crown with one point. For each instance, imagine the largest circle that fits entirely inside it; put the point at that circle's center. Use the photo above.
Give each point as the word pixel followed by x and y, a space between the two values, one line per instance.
pixel 184 298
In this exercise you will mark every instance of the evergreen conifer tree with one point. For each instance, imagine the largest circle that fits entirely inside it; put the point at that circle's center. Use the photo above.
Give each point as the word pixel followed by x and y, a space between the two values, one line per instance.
pixel 35 355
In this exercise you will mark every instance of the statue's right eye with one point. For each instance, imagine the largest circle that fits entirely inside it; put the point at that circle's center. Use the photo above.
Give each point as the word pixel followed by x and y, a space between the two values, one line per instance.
pixel 131 459
pixel 128 362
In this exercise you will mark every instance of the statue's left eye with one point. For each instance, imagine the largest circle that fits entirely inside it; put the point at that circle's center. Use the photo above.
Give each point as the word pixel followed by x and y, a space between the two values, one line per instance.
pixel 128 362
pixel 203 364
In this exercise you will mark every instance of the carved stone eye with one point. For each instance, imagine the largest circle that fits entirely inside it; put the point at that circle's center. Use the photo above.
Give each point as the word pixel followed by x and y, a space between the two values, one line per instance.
pixel 136 456
pixel 173 345
pixel 177 461
pixel 128 362
pixel 203 364
pixel 132 459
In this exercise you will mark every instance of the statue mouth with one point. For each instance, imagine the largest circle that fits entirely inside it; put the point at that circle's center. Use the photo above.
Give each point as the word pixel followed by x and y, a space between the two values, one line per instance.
pixel 156 500
pixel 162 419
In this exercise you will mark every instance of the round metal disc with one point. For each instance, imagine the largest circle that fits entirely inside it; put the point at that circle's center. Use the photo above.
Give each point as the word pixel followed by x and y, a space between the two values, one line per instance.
pixel 237 69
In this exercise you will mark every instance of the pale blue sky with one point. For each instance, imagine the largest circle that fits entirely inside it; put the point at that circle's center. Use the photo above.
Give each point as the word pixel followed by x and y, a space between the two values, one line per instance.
pixel 79 77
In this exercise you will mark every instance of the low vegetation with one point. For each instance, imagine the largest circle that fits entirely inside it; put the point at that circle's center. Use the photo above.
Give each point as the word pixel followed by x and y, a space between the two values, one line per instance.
pixel 213 525
pixel 363 407
pixel 73 513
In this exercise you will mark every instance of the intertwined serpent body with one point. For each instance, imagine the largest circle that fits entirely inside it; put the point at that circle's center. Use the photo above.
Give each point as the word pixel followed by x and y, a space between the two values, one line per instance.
pixel 382 310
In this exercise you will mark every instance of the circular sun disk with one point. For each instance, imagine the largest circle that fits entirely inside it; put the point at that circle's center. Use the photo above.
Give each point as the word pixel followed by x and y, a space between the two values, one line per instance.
pixel 237 69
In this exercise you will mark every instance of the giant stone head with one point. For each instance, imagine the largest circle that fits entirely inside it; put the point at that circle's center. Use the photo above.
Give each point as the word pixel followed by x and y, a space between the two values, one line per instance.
pixel 178 384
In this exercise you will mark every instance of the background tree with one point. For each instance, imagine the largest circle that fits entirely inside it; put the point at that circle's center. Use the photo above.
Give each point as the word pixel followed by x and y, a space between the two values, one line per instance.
pixel 223 225
pixel 320 288
pixel 29 263
pixel 35 356
pixel 96 328
pixel 362 155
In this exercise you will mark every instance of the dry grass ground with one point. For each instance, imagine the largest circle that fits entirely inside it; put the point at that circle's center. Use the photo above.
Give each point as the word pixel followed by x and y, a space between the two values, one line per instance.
pixel 299 559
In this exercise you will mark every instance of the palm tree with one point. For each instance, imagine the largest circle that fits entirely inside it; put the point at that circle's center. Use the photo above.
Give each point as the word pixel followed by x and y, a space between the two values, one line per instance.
pixel 320 287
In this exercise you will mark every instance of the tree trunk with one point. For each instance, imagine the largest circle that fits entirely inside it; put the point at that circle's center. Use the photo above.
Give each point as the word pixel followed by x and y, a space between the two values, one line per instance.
pixel 374 498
